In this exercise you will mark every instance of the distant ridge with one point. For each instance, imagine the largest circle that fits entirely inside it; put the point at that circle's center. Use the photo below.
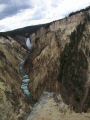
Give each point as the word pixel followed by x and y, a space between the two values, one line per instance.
pixel 22 31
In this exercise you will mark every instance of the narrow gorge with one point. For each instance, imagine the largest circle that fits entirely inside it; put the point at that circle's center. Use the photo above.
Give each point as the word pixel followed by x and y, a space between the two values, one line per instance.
pixel 59 65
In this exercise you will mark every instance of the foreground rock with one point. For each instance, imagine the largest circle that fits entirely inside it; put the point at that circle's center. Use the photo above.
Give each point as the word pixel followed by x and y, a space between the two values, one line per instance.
pixel 51 107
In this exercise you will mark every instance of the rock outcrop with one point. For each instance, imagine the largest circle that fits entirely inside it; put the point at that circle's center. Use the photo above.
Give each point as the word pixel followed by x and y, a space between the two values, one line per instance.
pixel 61 64
pixel 51 107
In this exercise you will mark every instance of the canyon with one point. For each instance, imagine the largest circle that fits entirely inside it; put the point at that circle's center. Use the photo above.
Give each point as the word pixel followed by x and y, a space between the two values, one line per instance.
pixel 59 64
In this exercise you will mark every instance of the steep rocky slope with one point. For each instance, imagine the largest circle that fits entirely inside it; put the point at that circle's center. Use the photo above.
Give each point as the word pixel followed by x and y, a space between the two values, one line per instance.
pixel 12 102
pixel 61 63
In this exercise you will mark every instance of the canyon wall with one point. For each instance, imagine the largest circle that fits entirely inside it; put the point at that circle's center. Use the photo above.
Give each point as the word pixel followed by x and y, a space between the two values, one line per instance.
pixel 60 63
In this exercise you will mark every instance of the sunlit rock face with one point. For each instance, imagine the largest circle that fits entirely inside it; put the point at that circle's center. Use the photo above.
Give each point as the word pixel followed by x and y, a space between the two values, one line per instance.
pixel 59 62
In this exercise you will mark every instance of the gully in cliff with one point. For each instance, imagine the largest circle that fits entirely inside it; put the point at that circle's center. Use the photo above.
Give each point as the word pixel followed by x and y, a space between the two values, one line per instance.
pixel 26 79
